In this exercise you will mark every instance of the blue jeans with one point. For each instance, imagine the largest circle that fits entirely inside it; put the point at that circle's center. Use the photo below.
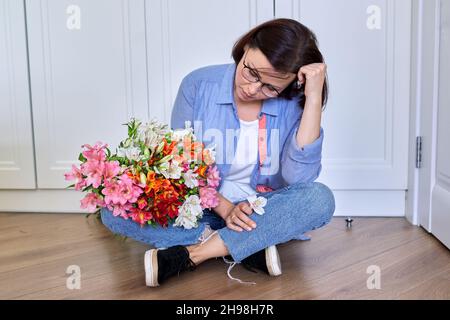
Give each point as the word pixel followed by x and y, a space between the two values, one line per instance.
pixel 290 211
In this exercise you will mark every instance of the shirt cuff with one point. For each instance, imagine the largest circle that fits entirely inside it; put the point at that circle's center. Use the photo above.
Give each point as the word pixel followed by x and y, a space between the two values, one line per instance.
pixel 309 153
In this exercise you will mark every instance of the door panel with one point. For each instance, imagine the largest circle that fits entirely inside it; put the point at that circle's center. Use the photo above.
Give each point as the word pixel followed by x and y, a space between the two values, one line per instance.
pixel 366 45
pixel 88 77
pixel 16 141
pixel 440 201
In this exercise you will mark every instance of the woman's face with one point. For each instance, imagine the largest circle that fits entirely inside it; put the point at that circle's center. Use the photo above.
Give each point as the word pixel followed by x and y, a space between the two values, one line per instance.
pixel 260 67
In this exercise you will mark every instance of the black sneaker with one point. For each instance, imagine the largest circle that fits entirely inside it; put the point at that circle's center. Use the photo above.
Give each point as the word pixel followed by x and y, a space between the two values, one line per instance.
pixel 162 264
pixel 267 260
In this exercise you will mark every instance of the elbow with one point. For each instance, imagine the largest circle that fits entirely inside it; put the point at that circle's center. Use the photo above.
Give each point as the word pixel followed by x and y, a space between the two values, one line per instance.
pixel 306 175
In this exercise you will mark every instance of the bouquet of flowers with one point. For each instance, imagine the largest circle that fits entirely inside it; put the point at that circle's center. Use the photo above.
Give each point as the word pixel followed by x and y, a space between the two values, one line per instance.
pixel 157 176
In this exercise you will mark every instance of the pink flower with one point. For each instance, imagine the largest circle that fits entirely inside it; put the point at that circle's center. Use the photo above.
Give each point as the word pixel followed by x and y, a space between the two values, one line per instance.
pixel 208 197
pixel 111 169
pixel 91 201
pixel 213 177
pixel 201 183
pixel 120 210
pixel 121 191
pixel 112 192
pixel 76 175
pixel 95 153
pixel 94 171
pixel 129 190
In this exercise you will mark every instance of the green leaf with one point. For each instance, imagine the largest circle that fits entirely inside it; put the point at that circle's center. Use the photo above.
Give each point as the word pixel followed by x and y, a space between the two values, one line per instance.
pixel 82 158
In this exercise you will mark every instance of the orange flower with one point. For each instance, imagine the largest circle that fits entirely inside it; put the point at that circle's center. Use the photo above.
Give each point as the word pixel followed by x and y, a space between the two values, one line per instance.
pixel 187 143
pixel 134 177
pixel 168 148
pixel 207 157
pixel 202 171
pixel 152 182
pixel 151 175
pixel 162 184
pixel 197 145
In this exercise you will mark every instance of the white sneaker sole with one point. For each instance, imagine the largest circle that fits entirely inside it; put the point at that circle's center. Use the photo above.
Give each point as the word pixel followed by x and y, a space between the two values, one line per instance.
pixel 273 261
pixel 151 268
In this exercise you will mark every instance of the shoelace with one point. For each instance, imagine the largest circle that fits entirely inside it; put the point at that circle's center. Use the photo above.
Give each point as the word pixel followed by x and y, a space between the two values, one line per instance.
pixel 231 263
pixel 231 266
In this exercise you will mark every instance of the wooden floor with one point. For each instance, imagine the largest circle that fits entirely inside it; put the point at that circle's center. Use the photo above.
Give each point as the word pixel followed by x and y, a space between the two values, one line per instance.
pixel 36 249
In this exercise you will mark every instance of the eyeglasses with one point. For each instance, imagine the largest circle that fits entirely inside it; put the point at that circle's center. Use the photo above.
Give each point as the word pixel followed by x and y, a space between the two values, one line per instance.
pixel 252 75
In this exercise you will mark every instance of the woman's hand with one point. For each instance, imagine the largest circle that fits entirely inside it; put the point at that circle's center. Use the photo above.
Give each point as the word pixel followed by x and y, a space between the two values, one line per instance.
pixel 314 76
pixel 237 218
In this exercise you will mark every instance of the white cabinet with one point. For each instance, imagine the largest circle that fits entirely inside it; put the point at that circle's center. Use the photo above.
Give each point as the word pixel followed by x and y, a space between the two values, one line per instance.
pixel 92 69
pixel 88 76
pixel 16 140
pixel 94 64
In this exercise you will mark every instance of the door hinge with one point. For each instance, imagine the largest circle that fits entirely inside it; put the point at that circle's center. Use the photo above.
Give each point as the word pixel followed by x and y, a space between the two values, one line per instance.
pixel 419 152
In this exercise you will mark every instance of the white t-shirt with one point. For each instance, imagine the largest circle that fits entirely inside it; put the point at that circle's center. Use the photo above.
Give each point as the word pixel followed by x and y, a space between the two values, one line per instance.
pixel 236 185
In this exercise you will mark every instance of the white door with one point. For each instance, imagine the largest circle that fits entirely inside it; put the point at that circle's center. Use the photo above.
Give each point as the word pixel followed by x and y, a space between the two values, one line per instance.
pixel 440 201
pixel 366 45
pixel 16 141
pixel 88 77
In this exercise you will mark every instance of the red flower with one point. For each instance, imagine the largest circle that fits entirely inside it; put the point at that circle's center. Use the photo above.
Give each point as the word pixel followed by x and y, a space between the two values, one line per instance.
pixel 140 216
pixel 160 218
pixel 142 203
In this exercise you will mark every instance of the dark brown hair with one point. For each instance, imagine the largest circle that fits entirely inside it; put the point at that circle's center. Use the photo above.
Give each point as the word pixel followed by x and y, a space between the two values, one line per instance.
pixel 288 45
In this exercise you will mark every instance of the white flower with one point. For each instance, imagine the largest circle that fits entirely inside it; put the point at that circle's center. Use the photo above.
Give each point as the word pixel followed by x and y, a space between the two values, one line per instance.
pixel 194 202
pixel 257 203
pixel 131 153
pixel 179 134
pixel 190 179
pixel 149 137
pixel 189 213
pixel 152 133
pixel 162 168
pixel 169 170
pixel 174 170
pixel 186 221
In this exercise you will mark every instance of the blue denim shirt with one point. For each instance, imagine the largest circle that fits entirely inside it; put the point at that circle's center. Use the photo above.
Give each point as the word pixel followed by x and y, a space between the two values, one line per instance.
pixel 205 98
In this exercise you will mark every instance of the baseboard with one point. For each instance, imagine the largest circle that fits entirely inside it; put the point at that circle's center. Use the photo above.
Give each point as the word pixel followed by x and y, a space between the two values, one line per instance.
pixel 370 203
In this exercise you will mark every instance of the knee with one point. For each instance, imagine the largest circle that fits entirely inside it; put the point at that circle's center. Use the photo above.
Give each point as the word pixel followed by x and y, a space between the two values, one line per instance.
pixel 325 197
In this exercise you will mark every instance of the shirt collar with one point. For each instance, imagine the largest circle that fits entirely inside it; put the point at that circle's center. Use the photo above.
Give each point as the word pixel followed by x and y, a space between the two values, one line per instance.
pixel 270 106
pixel 226 86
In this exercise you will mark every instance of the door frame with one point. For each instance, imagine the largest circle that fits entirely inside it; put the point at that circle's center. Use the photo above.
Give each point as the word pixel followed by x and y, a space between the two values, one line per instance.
pixel 424 109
